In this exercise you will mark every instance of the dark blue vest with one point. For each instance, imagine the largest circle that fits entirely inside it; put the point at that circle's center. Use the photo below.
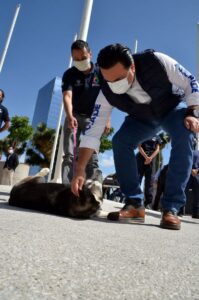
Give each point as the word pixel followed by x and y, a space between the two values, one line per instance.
pixel 153 78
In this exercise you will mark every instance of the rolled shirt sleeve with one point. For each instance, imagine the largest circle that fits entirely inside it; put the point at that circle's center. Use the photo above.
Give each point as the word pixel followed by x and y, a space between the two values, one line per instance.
pixel 95 129
pixel 181 79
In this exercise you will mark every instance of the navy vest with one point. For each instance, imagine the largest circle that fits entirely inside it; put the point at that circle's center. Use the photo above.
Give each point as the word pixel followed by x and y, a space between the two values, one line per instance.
pixel 153 78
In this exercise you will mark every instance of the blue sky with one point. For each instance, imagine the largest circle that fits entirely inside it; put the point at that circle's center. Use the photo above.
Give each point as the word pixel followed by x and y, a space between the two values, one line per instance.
pixel 40 45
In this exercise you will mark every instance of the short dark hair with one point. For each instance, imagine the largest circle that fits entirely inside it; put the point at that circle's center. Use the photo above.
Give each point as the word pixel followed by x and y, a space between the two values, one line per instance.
pixel 113 54
pixel 79 45
pixel 3 94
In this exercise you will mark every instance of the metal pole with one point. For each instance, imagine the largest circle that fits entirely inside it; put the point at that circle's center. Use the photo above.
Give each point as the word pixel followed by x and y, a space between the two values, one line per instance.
pixel 83 36
pixel 136 46
pixel 197 75
pixel 85 20
pixel 57 174
pixel 9 36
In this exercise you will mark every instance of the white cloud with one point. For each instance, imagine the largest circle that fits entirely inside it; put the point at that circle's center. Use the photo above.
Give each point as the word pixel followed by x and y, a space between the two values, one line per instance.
pixel 106 160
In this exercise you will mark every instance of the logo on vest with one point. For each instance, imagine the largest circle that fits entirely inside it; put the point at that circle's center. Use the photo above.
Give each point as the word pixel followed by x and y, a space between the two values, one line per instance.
pixel 96 81
pixel 193 83
pixel 78 83
pixel 94 116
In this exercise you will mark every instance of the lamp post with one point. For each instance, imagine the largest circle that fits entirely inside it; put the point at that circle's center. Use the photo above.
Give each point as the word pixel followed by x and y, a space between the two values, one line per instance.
pixel 9 36
pixel 197 74
pixel 83 36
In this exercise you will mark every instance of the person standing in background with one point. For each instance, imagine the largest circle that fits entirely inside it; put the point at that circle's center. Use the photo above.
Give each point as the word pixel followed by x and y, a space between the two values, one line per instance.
pixel 193 184
pixel 146 164
pixel 80 86
pixel 4 115
pixel 10 165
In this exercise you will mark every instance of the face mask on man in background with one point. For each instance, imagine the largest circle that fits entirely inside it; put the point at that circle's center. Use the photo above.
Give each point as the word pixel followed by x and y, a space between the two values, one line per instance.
pixel 10 151
pixel 82 65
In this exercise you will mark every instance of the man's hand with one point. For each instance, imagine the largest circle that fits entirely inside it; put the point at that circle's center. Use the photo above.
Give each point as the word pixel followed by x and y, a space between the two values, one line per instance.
pixel 77 183
pixel 192 123
pixel 148 160
pixel 78 179
pixel 194 172
pixel 107 128
pixel 72 122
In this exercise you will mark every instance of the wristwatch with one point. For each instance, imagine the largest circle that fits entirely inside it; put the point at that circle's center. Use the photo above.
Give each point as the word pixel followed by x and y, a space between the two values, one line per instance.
pixel 192 112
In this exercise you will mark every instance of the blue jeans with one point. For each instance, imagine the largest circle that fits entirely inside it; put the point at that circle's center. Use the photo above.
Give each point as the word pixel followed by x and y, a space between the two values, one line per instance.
pixel 134 132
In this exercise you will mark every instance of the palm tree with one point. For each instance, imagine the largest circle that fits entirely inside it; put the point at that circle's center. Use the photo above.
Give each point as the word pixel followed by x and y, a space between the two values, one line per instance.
pixel 42 143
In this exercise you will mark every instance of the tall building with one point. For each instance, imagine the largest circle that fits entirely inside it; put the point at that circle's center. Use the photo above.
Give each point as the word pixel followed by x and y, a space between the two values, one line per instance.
pixel 47 108
pixel 48 104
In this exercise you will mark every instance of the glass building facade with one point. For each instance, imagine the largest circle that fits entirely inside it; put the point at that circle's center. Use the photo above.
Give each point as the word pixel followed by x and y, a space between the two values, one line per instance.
pixel 48 104
pixel 47 108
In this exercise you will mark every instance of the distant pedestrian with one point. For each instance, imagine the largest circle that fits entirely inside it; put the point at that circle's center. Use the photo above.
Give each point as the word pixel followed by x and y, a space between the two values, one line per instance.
pixel 10 165
pixel 193 184
pixel 160 187
pixel 146 164
pixel 4 116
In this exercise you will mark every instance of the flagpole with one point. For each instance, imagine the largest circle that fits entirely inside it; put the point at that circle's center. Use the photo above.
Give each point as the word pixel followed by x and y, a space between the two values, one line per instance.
pixel 57 174
pixel 9 37
pixel 136 46
pixel 84 27
pixel 197 74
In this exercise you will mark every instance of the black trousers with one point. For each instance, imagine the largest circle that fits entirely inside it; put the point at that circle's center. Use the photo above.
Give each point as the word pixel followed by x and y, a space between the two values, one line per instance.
pixel 147 171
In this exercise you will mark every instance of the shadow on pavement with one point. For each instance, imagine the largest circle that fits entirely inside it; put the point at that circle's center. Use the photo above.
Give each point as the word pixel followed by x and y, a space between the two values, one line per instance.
pixel 157 215
pixel 5 205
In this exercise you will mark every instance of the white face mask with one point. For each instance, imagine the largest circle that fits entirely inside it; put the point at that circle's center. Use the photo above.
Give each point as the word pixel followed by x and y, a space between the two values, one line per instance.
pixel 10 151
pixel 82 65
pixel 120 86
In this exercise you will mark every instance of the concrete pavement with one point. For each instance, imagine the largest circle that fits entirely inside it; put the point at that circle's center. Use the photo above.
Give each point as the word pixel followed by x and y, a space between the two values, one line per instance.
pixel 51 257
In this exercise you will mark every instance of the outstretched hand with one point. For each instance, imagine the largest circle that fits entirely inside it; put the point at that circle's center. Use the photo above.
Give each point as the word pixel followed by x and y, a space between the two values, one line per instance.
pixel 77 184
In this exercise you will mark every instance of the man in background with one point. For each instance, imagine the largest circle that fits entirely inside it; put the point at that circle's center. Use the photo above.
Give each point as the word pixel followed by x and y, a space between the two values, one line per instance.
pixel 146 164
pixel 193 184
pixel 10 165
pixel 80 86
pixel 4 116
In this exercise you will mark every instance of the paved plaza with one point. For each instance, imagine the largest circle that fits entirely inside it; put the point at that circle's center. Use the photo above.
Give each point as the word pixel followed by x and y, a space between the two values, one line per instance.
pixel 47 257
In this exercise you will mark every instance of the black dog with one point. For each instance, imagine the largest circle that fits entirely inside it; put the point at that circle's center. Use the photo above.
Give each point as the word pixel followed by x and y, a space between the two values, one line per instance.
pixel 55 198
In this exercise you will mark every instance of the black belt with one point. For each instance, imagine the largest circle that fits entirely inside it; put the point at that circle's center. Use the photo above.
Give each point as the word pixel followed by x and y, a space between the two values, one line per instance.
pixel 82 115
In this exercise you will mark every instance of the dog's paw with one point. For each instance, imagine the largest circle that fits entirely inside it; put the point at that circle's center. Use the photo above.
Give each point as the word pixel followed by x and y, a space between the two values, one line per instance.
pixel 43 172
pixel 102 214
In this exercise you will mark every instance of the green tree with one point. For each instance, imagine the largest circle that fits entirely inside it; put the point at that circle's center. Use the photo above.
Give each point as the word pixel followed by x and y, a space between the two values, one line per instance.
pixel 42 143
pixel 106 143
pixel 19 133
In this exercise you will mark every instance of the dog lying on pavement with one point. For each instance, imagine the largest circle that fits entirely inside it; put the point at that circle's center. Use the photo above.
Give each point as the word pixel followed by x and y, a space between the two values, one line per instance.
pixel 55 198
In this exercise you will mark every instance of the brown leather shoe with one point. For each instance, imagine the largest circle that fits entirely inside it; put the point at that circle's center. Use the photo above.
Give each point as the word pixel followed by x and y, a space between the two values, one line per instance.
pixel 129 214
pixel 170 220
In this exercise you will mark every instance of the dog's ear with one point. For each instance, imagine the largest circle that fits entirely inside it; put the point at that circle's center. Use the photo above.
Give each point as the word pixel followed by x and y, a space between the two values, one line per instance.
pixel 95 188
